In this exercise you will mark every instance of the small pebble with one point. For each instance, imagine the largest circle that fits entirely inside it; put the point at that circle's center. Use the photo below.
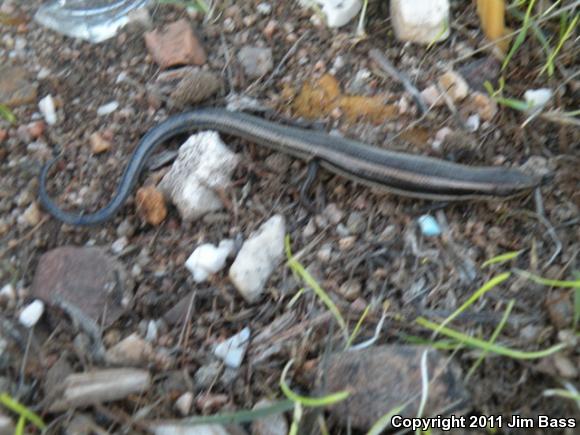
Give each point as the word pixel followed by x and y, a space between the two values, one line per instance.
pixel 184 402
pixel 8 293
pixel 324 253
pixel 333 213
pixel 429 226
pixel 31 314
pixel 350 289
pixel 455 85
pixel 346 243
pixel 208 259
pixel 264 8
pixel 98 143
pixel 538 97
pixel 119 244
pixel 32 214
pixel 107 109
pixel 472 123
pixel 232 350
pixel 48 110
pixel 356 223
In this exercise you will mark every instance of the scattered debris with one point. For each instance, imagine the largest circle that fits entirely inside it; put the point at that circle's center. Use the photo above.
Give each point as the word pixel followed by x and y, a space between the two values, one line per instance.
pixel 131 351
pixel 31 314
pixel 324 97
pixel 86 277
pixel 203 166
pixel 32 214
pixel 48 110
pixel 175 45
pixel 232 350
pixel 422 21
pixel 15 87
pixel 207 259
pixel 150 204
pixel 82 389
pixel 256 61
pixel 380 379
pixel 258 257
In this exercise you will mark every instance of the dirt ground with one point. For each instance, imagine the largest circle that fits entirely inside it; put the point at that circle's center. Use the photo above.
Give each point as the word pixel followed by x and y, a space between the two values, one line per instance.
pixel 389 261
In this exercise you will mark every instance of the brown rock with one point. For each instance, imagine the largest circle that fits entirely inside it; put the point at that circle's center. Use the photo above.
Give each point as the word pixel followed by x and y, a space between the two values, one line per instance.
pixel 560 308
pixel 175 45
pixel 382 378
pixel 15 88
pixel 86 277
pixel 195 87
pixel 3 135
pixel 99 144
pixel 483 105
pixel 151 205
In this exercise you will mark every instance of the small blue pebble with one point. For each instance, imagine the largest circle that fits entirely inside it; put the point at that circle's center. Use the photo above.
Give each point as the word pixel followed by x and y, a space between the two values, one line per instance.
pixel 429 226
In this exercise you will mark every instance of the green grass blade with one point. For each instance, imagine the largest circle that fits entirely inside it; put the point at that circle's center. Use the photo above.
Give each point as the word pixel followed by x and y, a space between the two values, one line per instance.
pixel 21 410
pixel 493 338
pixel 6 114
pixel 492 283
pixel 439 344
pixel 521 36
pixel 489 347
pixel 310 402
pixel 561 42
pixel 356 329
pixel 576 320
pixel 562 393
pixel 548 282
pixel 20 426
pixel 385 421
pixel 498 259
pixel 309 280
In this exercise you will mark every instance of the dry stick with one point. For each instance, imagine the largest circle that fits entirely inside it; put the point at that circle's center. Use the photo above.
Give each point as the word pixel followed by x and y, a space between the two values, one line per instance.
pixel 515 32
pixel 389 68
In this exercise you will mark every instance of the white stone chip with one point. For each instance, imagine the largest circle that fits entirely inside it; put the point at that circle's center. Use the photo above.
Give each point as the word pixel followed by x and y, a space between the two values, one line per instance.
pixel 31 314
pixel 204 166
pixel 538 97
pixel 422 21
pixel 207 259
pixel 339 12
pixel 48 110
pixel 258 257
pixel 108 108
pixel 232 350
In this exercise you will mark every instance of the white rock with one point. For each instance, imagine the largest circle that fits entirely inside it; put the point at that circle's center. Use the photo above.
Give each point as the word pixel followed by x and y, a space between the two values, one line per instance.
pixel 108 108
pixel 184 402
pixel 204 165
pixel 46 106
pixel 31 314
pixel 339 12
pixel 208 259
pixel 440 137
pixel 152 331
pixel 432 96
pixel 422 21
pixel 538 97
pixel 259 255
pixel 232 350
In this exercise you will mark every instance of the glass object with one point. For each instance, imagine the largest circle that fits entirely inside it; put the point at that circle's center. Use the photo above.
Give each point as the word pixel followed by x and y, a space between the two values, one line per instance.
pixel 92 20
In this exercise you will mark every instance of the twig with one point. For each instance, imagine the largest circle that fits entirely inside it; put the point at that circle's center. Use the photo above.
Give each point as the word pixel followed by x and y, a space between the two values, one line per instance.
pixel 289 53
pixel 390 69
